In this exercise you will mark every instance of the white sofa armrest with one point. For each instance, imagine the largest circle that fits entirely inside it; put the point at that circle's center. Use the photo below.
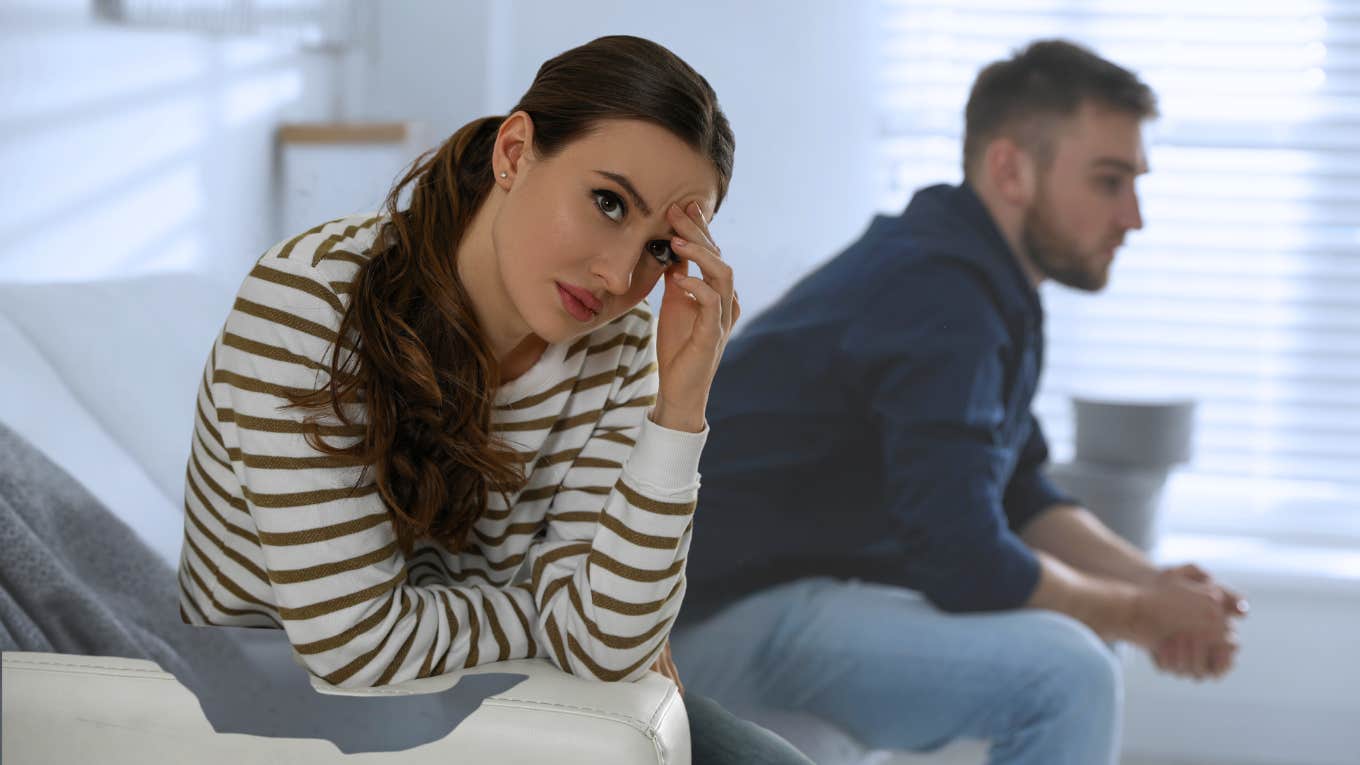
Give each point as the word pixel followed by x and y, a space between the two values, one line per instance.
pixel 64 708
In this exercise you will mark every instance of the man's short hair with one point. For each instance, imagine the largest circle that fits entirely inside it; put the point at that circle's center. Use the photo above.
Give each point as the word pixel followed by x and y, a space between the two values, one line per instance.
pixel 1024 97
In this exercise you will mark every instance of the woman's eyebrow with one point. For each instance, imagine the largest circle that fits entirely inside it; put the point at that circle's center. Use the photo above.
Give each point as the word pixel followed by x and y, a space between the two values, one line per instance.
pixel 628 187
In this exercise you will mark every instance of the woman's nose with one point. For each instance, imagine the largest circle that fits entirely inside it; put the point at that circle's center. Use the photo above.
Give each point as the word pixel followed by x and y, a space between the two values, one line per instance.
pixel 615 269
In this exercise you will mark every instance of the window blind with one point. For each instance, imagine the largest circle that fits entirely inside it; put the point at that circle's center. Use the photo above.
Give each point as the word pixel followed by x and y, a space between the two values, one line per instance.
pixel 1243 289
pixel 316 23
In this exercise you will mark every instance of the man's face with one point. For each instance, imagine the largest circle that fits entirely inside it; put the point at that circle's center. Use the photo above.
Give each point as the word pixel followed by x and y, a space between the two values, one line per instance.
pixel 1086 201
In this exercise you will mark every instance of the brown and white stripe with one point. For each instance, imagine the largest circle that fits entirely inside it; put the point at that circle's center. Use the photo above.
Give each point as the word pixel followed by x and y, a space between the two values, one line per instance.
pixel 585 565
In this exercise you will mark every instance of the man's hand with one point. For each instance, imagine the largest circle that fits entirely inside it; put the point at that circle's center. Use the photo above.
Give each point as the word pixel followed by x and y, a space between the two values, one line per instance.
pixel 665 665
pixel 1185 656
pixel 1180 615
pixel 1189 653
pixel 1173 603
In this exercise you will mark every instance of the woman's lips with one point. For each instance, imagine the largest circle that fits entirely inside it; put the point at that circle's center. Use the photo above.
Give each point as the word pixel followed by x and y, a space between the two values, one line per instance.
pixel 577 302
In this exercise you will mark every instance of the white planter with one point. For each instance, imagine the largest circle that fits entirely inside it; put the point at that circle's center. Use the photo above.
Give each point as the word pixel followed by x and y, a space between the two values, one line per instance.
pixel 1125 499
pixel 1140 434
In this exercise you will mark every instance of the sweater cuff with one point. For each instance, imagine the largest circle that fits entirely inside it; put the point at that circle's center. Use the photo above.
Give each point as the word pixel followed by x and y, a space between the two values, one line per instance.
pixel 666 459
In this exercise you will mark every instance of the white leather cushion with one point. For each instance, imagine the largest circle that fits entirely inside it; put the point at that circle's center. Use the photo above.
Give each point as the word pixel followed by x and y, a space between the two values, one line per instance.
pixel 98 709
pixel 132 351
pixel 38 406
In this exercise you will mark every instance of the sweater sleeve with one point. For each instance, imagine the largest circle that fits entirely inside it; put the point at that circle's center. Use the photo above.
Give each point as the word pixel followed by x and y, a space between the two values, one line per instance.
pixel 331 561
pixel 933 376
pixel 1029 492
pixel 608 577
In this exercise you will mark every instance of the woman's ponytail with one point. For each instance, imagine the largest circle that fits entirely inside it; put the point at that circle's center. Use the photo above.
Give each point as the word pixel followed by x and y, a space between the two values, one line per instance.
pixel 422 369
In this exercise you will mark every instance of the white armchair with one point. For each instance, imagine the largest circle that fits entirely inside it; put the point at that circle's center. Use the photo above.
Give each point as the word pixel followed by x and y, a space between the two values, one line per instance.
pixel 101 377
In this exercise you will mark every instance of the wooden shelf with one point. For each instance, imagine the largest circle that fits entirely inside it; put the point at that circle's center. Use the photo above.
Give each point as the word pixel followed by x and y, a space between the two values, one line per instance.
pixel 335 133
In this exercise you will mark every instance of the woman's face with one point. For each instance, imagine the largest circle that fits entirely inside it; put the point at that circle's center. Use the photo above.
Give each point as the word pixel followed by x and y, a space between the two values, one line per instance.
pixel 578 234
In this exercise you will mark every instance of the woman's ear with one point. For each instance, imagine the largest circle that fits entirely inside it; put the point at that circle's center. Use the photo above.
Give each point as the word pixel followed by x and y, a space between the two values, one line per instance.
pixel 513 149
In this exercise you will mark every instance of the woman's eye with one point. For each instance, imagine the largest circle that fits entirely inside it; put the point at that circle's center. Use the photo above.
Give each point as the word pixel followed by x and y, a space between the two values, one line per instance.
pixel 610 204
pixel 661 250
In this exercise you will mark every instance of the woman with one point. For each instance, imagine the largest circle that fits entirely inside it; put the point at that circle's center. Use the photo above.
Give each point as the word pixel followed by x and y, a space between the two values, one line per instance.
pixel 445 435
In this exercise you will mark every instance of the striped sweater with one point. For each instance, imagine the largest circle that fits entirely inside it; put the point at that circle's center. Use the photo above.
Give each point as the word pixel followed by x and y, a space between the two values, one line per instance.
pixel 585 565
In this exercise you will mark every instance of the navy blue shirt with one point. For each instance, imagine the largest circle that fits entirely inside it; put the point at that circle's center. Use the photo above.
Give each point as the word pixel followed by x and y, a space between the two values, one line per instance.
pixel 875 422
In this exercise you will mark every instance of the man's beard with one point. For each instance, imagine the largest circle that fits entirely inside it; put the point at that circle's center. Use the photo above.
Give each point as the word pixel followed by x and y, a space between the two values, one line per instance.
pixel 1058 257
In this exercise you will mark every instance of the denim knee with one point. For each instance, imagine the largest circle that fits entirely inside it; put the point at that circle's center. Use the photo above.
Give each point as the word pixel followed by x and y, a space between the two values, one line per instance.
pixel 1083 672
pixel 1094 674
pixel 1071 712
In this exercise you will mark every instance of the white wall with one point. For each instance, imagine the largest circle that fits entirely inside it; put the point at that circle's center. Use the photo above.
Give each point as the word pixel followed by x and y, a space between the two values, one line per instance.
pixel 424 61
pixel 129 150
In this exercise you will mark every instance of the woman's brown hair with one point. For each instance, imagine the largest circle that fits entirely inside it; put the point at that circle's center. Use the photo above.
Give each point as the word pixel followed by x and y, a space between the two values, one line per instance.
pixel 421 368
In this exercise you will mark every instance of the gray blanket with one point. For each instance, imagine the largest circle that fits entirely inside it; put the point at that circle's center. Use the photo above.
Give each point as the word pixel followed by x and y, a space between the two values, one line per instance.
pixel 75 579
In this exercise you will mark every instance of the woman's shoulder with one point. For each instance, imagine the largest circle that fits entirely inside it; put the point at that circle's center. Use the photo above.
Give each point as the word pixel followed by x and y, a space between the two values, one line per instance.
pixel 319 263
pixel 333 250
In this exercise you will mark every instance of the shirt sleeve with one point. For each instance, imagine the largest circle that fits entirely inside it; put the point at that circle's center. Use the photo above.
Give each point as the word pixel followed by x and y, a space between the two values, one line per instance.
pixel 332 566
pixel 932 371
pixel 609 577
pixel 1030 492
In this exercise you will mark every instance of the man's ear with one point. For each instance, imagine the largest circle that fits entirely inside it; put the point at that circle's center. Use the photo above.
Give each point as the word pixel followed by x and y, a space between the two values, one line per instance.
pixel 1013 171
pixel 513 149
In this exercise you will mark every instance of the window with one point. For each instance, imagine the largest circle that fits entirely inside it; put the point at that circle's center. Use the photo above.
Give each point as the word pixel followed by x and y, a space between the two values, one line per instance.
pixel 1243 290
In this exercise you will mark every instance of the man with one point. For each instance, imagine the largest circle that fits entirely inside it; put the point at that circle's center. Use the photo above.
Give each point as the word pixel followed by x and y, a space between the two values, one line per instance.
pixel 877 544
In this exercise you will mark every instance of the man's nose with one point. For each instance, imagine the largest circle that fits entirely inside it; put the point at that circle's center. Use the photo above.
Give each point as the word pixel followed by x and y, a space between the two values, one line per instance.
pixel 1131 216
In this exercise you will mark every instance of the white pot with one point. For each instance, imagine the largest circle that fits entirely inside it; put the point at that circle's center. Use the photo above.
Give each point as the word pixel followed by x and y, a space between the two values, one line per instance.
pixel 1125 499
pixel 1142 434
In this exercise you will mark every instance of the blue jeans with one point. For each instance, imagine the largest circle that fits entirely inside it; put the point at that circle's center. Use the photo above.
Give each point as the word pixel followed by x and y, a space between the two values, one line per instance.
pixel 718 737
pixel 886 666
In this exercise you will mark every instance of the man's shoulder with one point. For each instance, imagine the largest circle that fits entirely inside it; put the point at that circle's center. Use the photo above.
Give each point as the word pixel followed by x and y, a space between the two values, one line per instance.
pixel 928 282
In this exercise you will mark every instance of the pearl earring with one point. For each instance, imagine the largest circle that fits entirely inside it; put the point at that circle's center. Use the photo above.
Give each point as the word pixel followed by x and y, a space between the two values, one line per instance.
pixel 504 174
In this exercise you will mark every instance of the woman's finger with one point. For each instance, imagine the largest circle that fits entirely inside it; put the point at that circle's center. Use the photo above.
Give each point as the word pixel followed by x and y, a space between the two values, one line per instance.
pixel 711 265
pixel 690 227
pixel 697 213
pixel 717 274
pixel 675 672
pixel 714 271
pixel 702 292
pixel 710 317
pixel 688 222
pixel 694 221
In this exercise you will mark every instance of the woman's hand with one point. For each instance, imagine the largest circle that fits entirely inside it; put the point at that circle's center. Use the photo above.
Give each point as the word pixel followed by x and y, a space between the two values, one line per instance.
pixel 665 666
pixel 697 315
